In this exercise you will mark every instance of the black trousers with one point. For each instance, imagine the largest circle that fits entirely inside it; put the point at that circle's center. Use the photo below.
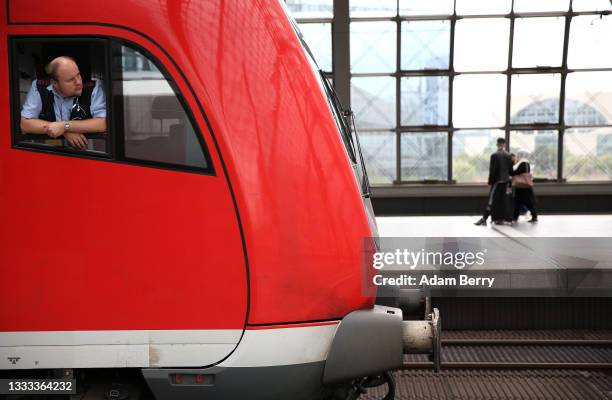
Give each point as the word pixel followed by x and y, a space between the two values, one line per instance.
pixel 526 197
pixel 499 203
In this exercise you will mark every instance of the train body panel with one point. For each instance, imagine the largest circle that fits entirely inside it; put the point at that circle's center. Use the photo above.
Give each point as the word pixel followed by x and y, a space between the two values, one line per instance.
pixel 276 135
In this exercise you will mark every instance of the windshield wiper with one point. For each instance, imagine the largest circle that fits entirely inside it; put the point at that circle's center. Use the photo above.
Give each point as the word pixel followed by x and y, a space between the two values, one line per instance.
pixel 349 130
pixel 365 181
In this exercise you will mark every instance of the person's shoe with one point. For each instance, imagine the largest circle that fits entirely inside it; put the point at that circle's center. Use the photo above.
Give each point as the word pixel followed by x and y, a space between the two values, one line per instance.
pixel 498 222
pixel 481 221
pixel 533 221
pixel 513 222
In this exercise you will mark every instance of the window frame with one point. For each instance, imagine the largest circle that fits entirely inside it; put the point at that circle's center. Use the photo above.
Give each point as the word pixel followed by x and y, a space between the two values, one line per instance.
pixel 115 133
pixel 16 135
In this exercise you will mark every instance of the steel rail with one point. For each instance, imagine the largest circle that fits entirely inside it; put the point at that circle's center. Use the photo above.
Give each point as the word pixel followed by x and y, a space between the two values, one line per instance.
pixel 508 365
pixel 527 342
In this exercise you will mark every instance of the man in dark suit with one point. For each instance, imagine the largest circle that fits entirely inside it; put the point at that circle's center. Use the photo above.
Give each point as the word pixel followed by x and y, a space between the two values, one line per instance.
pixel 500 168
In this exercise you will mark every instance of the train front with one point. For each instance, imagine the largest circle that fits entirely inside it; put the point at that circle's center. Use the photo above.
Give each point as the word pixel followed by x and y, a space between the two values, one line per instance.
pixel 315 327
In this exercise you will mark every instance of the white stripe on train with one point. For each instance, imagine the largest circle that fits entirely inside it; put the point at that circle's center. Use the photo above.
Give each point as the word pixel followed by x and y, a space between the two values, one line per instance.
pixel 164 348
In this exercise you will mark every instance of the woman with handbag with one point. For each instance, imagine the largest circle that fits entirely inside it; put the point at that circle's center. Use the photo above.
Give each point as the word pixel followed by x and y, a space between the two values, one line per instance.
pixel 522 182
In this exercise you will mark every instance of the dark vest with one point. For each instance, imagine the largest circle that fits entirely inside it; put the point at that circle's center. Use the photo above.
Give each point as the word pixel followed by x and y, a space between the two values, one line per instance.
pixel 47 112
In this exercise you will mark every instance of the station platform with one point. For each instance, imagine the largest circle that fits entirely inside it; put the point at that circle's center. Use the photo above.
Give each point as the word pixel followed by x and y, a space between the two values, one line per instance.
pixel 562 255
pixel 590 225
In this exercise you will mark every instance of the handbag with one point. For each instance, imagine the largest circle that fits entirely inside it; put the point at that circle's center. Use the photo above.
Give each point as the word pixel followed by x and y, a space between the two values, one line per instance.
pixel 521 181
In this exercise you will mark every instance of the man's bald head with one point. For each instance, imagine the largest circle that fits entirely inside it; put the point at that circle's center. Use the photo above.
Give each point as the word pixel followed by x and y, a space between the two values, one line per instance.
pixel 66 76
pixel 62 61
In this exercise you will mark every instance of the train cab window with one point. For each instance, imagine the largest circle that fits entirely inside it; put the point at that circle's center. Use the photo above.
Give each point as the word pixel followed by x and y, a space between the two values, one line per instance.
pixel 60 95
pixel 155 126
pixel 101 98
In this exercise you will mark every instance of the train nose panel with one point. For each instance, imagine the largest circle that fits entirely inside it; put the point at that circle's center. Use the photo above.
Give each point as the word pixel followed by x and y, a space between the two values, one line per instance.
pixel 370 342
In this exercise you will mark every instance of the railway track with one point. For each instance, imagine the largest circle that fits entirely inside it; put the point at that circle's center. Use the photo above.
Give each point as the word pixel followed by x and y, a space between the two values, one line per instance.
pixel 516 365
pixel 514 352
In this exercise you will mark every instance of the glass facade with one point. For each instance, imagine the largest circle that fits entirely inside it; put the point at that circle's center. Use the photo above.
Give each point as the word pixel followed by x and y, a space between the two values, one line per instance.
pixel 433 84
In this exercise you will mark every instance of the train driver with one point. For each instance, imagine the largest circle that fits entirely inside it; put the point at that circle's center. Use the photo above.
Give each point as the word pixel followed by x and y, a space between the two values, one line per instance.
pixel 67 106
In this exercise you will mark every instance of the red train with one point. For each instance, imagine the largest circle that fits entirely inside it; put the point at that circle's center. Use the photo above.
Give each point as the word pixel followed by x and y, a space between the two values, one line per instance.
pixel 210 238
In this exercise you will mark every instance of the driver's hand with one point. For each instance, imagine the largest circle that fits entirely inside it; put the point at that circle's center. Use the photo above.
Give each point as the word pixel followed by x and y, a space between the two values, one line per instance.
pixel 54 129
pixel 77 140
